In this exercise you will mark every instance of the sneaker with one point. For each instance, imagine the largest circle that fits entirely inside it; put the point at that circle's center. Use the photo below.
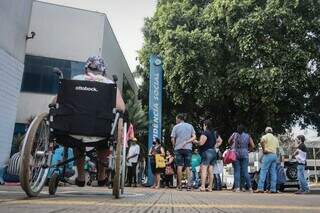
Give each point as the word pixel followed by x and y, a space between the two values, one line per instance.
pixel 179 188
pixel 189 188
pixel 302 192
pixel 236 190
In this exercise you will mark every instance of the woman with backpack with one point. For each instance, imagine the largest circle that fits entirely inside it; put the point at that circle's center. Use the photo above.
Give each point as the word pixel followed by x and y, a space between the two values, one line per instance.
pixel 241 143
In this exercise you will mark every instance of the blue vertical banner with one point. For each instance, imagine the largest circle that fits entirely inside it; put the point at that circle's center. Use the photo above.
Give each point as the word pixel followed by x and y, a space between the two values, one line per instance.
pixel 155 105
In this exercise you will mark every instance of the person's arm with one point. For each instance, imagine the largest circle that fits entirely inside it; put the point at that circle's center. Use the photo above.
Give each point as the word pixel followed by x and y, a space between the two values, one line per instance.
pixel 173 136
pixel 202 140
pixel 173 141
pixel 218 142
pixel 251 143
pixel 162 152
pixel 120 105
pixel 262 142
pixel 230 140
pixel 170 161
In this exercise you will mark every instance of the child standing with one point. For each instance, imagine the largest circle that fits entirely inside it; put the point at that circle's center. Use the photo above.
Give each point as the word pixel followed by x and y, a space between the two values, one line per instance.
pixel 195 163
pixel 301 156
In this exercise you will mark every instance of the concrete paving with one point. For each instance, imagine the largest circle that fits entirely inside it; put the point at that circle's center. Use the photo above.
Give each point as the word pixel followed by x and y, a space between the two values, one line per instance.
pixel 134 200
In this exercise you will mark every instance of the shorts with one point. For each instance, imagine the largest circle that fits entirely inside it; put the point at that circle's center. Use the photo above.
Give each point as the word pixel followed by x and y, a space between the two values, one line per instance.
pixel 68 141
pixel 183 157
pixel 155 170
pixel 208 157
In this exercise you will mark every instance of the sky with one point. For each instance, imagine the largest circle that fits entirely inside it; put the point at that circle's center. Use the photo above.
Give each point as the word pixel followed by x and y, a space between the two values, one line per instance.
pixel 126 18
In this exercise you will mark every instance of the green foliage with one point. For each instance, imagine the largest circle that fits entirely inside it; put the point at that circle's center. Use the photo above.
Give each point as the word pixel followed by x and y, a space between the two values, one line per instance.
pixel 254 62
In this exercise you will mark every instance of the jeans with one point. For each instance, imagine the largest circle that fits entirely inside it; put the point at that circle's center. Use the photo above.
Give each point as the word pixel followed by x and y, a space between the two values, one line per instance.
pixel 241 171
pixel 269 163
pixel 195 178
pixel 302 180
pixel 217 182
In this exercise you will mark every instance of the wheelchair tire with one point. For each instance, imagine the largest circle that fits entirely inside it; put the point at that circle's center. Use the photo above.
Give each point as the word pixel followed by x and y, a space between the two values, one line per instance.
pixel 53 184
pixel 117 177
pixel 35 156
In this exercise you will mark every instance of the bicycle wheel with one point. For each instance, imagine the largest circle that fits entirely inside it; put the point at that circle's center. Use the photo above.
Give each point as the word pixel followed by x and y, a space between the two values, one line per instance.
pixel 36 156
pixel 117 177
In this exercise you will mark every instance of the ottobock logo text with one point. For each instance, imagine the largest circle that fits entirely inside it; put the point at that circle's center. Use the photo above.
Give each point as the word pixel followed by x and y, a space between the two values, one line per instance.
pixel 89 89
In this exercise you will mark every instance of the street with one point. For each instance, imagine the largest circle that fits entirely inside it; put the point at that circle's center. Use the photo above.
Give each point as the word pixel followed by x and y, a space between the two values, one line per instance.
pixel 93 199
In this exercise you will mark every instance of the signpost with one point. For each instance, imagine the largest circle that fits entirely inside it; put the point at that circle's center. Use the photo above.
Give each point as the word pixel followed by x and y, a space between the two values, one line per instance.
pixel 155 106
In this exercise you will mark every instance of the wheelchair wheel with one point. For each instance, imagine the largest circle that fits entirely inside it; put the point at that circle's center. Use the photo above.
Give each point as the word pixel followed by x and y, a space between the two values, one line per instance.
pixel 53 184
pixel 117 177
pixel 36 156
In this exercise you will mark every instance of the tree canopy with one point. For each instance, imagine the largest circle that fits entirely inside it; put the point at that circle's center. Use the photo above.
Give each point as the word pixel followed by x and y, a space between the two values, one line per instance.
pixel 254 62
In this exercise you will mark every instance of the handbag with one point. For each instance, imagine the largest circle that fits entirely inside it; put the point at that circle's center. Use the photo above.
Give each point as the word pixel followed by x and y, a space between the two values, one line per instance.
pixel 169 170
pixel 160 162
pixel 230 156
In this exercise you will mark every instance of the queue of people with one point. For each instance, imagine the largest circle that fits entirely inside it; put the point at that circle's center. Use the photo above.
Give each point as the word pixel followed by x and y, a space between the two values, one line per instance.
pixel 199 163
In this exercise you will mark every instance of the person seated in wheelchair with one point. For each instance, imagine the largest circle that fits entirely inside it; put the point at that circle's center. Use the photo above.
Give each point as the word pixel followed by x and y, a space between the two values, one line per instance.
pixel 95 70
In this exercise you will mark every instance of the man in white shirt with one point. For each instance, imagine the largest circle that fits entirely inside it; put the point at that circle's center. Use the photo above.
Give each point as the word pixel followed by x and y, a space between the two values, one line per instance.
pixel 132 161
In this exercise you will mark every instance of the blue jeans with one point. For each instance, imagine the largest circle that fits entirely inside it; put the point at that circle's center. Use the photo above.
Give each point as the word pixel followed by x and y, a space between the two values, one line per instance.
pixel 302 180
pixel 269 163
pixel 241 169
pixel 195 178
pixel 217 182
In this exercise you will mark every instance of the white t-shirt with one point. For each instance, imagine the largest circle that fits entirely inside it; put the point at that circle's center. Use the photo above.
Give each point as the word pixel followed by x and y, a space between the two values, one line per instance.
pixel 133 150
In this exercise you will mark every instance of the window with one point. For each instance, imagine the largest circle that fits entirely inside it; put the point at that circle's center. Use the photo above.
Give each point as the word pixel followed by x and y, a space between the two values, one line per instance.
pixel 38 76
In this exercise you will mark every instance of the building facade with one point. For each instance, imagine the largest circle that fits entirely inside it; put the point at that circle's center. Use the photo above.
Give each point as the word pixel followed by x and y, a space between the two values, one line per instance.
pixel 14 26
pixel 65 38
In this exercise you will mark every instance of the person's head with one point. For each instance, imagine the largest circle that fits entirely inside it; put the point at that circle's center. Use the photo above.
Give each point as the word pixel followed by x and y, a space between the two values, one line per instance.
pixel 95 65
pixel 240 128
pixel 134 141
pixel 207 125
pixel 156 141
pixel 268 130
pixel 301 138
pixel 168 153
pixel 195 151
pixel 180 118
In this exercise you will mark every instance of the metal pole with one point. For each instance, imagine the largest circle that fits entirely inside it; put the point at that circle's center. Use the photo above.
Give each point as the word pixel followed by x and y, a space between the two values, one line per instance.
pixel 124 156
pixel 315 165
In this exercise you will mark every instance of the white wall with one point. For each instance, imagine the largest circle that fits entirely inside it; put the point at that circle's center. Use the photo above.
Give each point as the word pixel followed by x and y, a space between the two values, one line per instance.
pixel 14 23
pixel 32 104
pixel 64 32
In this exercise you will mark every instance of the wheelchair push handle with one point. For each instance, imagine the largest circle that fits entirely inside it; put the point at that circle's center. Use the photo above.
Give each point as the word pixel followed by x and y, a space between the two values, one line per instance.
pixel 58 72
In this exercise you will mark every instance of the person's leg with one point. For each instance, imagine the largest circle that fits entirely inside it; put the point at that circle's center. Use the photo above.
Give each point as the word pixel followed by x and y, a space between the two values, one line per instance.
pixel 158 180
pixel 129 175
pixel 170 180
pixel 210 177
pixel 80 160
pixel 302 180
pixel 187 164
pixel 273 170
pixel 179 162
pixel 236 174
pixel 266 161
pixel 102 157
pixel 244 169
pixel 219 184
pixel 204 169
pixel 134 173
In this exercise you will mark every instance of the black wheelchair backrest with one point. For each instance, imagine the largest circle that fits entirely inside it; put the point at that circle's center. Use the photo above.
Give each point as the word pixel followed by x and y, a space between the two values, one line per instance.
pixel 84 108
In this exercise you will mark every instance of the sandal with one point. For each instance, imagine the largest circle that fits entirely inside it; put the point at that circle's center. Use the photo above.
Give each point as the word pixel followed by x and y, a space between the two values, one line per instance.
pixel 79 183
pixel 202 189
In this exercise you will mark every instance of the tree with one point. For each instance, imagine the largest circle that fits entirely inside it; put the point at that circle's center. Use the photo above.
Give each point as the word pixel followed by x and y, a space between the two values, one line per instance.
pixel 243 61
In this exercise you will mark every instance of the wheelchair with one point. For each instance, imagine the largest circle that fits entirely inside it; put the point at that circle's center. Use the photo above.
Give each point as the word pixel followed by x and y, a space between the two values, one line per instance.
pixel 84 108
